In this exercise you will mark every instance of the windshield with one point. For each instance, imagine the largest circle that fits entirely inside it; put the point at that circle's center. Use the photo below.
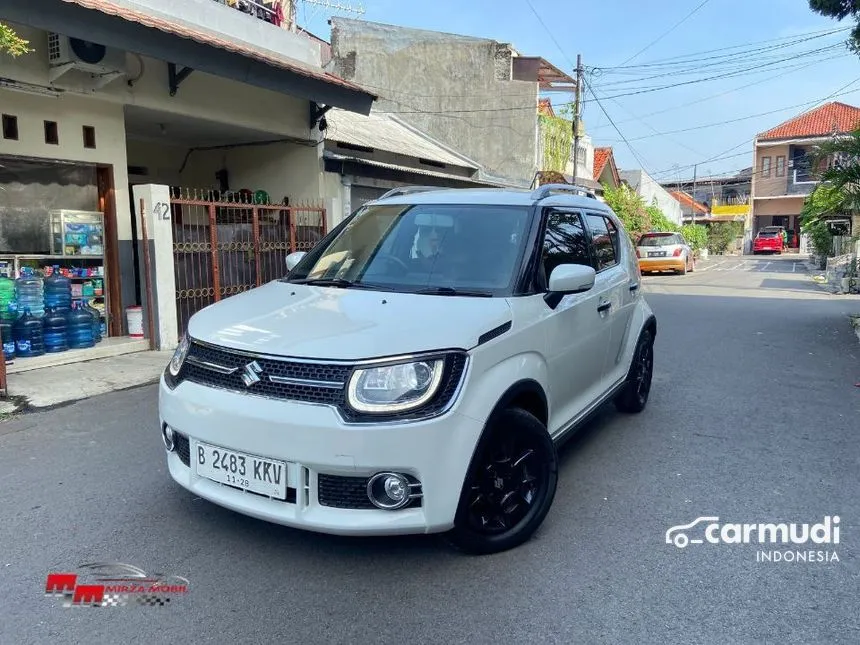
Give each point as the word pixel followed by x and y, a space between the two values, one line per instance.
pixel 658 240
pixel 409 248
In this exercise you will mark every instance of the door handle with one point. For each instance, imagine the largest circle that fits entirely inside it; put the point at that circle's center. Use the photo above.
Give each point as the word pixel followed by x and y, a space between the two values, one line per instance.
pixel 634 287
pixel 604 307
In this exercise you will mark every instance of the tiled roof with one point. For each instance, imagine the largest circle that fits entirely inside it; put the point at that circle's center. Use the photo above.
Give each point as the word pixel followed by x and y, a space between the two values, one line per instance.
pixel 686 200
pixel 822 121
pixel 601 156
pixel 545 107
pixel 210 38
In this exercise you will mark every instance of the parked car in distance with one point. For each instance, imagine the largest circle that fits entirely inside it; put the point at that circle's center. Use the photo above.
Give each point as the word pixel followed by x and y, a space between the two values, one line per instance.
pixel 768 240
pixel 661 251
pixel 415 371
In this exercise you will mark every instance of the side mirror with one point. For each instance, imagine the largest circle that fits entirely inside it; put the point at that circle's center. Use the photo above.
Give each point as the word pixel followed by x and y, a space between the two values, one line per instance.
pixel 294 258
pixel 571 278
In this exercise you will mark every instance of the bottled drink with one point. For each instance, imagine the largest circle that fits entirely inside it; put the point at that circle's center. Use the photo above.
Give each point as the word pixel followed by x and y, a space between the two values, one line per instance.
pixel 55 330
pixel 58 290
pixel 31 295
pixel 29 335
pixel 79 327
pixel 97 321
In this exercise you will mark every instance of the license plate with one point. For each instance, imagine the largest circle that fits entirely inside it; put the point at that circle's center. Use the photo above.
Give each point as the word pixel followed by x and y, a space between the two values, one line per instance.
pixel 248 472
pixel 657 254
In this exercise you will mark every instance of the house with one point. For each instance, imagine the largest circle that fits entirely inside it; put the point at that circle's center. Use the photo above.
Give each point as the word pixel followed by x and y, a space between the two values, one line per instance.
pixel 366 156
pixel 653 193
pixel 475 95
pixel 604 170
pixel 721 197
pixel 784 175
pixel 213 116
pixel 691 210
pixel 556 151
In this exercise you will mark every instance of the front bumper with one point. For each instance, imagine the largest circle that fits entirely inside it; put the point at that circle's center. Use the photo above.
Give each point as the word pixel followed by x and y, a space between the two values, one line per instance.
pixel 322 451
pixel 661 264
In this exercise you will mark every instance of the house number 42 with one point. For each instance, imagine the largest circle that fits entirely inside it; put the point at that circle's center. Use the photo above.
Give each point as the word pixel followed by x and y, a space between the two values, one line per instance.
pixel 161 211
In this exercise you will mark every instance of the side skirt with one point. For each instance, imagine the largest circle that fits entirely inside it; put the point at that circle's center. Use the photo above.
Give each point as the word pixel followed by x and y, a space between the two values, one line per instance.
pixel 571 429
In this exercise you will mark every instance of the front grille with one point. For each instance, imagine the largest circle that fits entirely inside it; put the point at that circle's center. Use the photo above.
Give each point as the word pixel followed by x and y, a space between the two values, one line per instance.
pixel 310 393
pixel 182 447
pixel 350 492
pixel 322 383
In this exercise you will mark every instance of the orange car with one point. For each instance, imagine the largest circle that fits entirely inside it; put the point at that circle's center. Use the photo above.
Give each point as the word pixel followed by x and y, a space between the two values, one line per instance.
pixel 664 252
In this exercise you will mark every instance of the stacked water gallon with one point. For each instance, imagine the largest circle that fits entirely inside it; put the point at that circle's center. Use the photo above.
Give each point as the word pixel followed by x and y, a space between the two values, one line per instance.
pixel 97 324
pixel 58 302
pixel 79 327
pixel 30 292
pixel 29 335
pixel 8 315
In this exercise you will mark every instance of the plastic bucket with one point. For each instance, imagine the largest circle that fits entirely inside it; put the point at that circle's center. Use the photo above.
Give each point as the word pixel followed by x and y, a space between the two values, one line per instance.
pixel 134 318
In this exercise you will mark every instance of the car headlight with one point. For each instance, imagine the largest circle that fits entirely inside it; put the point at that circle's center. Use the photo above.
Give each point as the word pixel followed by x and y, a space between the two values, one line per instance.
pixel 179 355
pixel 395 388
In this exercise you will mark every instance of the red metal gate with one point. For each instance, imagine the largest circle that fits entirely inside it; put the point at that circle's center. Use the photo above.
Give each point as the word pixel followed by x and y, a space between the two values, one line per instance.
pixel 224 247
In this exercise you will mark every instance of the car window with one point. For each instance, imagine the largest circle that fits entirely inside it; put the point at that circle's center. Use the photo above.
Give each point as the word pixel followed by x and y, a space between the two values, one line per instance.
pixel 564 242
pixel 601 242
pixel 657 240
pixel 411 247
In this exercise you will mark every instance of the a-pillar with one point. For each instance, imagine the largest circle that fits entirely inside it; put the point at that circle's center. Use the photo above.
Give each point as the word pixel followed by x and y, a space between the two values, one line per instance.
pixel 159 230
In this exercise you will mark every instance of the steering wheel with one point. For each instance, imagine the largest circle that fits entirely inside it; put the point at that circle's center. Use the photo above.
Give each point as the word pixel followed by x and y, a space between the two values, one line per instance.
pixel 396 260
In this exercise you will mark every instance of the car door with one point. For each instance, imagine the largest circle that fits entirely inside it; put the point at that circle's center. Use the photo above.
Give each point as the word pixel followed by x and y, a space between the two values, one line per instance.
pixel 577 329
pixel 613 283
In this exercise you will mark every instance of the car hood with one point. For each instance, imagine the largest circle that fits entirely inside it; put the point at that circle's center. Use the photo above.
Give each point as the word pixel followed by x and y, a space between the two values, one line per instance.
pixel 303 321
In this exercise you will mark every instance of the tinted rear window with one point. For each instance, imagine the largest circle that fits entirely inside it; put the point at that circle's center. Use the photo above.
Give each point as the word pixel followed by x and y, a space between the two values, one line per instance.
pixel 768 234
pixel 658 240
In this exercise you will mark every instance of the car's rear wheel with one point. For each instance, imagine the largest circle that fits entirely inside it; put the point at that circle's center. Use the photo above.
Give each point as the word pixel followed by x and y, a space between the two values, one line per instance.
pixel 634 396
pixel 509 487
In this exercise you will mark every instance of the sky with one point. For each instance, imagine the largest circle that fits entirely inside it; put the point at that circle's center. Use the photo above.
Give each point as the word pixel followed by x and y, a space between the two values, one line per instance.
pixel 791 76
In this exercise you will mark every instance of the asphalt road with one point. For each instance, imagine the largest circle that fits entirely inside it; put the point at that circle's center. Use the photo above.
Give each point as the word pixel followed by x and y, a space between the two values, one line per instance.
pixel 754 417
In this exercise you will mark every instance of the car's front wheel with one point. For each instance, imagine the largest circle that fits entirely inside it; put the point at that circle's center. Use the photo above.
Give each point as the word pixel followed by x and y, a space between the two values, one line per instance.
pixel 509 487
pixel 634 395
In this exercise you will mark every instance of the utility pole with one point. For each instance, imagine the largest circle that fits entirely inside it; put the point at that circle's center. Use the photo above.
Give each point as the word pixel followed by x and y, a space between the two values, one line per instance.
pixel 695 168
pixel 577 111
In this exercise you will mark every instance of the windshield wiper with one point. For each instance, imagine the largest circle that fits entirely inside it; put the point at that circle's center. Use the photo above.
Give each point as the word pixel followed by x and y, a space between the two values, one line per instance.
pixel 450 291
pixel 340 282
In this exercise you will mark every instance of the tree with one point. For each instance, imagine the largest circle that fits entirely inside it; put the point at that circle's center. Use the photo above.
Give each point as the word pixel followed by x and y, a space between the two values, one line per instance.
pixel 11 43
pixel 841 9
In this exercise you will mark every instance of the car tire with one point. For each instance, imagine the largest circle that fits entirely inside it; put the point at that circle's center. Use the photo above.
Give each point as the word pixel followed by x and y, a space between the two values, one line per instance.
pixel 509 487
pixel 684 270
pixel 634 395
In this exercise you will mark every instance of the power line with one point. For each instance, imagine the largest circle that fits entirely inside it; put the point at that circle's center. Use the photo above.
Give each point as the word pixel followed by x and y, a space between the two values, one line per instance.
pixel 666 33
pixel 683 58
pixel 629 147
pixel 549 33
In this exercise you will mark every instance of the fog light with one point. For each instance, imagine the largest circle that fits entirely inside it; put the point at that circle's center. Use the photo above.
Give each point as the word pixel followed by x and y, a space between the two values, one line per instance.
pixel 168 438
pixel 389 491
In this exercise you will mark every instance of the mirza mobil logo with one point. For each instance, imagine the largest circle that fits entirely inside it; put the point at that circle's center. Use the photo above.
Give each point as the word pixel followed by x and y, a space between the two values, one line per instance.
pixel 778 542
pixel 114 584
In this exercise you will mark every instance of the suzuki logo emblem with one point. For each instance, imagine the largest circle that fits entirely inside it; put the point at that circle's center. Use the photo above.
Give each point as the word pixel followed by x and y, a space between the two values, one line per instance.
pixel 251 374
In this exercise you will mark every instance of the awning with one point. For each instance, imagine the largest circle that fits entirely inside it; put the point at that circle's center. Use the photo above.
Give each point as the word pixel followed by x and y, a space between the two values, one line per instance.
pixel 113 24
pixel 348 164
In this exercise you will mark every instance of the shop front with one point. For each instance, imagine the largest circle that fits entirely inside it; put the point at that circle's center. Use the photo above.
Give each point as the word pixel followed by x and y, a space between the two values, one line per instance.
pixel 56 282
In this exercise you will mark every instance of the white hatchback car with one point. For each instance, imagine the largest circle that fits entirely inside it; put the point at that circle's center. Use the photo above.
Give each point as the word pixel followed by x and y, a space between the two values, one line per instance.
pixel 415 371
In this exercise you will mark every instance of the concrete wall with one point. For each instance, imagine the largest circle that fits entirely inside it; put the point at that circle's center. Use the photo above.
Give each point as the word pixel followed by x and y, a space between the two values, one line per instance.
pixel 443 85
pixel 773 185
pixel 651 191
pixel 236 26
pixel 784 206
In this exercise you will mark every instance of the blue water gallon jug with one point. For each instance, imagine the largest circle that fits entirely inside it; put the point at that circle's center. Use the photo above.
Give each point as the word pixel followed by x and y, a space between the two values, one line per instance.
pixel 55 327
pixel 79 328
pixel 29 335
pixel 97 321
pixel 30 294
pixel 8 340
pixel 57 290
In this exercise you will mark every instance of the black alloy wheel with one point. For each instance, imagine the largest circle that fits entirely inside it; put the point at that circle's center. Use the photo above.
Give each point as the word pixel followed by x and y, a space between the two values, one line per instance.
pixel 634 396
pixel 509 487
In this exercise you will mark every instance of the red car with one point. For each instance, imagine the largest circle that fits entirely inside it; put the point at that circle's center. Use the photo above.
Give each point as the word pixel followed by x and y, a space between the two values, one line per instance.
pixel 768 240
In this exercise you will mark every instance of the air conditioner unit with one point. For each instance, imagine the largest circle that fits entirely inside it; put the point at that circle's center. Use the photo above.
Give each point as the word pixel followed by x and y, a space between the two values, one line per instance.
pixel 100 63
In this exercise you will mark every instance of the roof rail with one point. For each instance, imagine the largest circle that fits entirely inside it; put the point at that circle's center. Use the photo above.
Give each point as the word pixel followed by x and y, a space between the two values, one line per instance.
pixel 406 190
pixel 544 191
